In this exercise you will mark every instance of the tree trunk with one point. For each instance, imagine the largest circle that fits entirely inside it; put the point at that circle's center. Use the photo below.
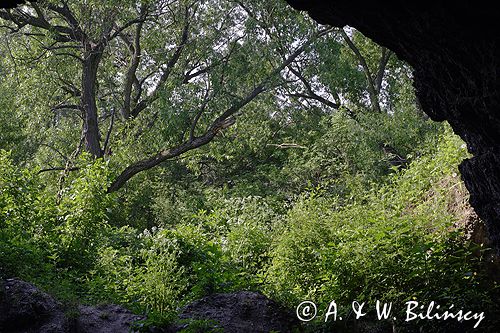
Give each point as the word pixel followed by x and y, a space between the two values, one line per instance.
pixel 89 80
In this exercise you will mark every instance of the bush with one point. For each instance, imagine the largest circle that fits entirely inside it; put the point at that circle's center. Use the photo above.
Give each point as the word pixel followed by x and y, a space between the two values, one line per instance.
pixel 156 271
pixel 82 217
pixel 23 212
pixel 392 243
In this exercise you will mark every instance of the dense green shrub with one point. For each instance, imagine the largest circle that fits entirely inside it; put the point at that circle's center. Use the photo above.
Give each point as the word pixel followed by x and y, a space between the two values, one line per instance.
pixel 355 240
pixel 82 217
pixel 23 212
pixel 392 243
pixel 43 236
pixel 157 270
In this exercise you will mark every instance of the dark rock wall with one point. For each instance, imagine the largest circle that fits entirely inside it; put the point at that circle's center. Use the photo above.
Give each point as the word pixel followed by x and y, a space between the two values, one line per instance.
pixel 454 48
pixel 11 3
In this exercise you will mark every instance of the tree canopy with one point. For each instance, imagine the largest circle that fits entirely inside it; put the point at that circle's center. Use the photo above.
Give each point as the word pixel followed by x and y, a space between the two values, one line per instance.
pixel 139 83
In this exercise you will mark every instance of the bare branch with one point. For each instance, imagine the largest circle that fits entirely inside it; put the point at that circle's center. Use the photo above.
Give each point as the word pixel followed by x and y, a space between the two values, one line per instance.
pixel 59 169
pixel 131 78
pixel 74 30
pixel 108 135
pixel 384 60
pixel 70 88
pixel 22 19
pixel 200 112
pixel 55 150
pixel 67 107
pixel 119 30
pixel 286 145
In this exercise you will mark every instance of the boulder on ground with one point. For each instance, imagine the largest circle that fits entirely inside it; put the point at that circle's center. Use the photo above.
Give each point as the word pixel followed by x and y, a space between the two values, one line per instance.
pixel 242 312
pixel 26 309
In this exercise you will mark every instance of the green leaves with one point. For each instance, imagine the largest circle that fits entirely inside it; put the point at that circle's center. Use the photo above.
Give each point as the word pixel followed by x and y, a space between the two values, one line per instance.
pixel 390 242
pixel 301 198
pixel 83 216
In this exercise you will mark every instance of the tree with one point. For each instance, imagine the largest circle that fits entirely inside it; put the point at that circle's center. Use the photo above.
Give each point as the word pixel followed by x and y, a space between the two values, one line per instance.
pixel 127 69
pixel 156 79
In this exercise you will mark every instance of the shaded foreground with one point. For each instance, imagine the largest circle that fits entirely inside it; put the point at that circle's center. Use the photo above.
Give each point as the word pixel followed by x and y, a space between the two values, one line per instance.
pixel 25 308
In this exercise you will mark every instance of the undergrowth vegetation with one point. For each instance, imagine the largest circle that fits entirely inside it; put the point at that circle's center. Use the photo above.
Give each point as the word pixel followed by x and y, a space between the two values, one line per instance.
pixel 391 241
pixel 215 146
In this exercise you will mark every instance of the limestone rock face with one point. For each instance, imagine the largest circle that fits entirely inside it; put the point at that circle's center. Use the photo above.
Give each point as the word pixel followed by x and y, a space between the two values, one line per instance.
pixel 454 48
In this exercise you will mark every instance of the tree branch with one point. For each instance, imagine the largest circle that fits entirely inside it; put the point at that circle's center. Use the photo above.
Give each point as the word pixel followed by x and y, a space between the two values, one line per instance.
pixel 384 60
pixel 22 19
pixel 108 134
pixel 200 112
pixel 311 94
pixel 366 70
pixel 166 73
pixel 58 169
pixel 131 78
pixel 67 107
pixel 225 120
